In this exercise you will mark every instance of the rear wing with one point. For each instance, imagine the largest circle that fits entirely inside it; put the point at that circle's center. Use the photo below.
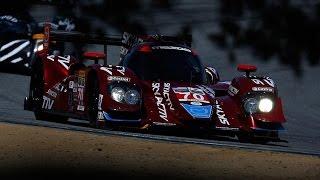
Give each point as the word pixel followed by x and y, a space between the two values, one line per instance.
pixel 127 41
pixel 78 37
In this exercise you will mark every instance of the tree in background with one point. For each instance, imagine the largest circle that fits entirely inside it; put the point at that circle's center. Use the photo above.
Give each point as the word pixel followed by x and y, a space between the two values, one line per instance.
pixel 289 30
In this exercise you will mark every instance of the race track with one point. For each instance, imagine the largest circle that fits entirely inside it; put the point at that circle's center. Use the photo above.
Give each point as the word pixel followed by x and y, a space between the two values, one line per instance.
pixel 15 87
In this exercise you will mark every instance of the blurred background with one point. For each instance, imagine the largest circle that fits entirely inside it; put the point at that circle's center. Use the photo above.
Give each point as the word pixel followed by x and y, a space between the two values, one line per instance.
pixel 280 37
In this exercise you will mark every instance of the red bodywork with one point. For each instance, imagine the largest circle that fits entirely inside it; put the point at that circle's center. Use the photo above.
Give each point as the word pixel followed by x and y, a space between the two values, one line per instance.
pixel 218 105
pixel 69 96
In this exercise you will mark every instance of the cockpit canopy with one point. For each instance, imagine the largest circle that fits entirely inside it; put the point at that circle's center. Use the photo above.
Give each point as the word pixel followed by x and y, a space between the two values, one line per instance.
pixel 165 62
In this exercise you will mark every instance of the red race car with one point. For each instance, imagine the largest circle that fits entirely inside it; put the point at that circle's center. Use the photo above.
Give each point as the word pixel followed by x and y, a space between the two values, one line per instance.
pixel 159 81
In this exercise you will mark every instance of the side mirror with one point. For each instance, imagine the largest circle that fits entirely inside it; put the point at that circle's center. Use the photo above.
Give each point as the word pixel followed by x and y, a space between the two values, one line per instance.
pixel 95 56
pixel 212 75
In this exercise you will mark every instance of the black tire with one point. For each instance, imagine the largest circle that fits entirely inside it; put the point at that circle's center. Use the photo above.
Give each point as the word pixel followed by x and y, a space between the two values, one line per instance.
pixel 36 95
pixel 93 99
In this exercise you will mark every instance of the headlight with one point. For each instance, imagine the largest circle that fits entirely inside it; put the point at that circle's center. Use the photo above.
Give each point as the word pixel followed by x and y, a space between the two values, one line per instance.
pixel 117 94
pixel 265 105
pixel 132 97
pixel 251 105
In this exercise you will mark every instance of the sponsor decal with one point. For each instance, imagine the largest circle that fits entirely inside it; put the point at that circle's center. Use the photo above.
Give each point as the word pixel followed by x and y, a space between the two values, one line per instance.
pixel 166 95
pixel 227 128
pixel 64 61
pixel 266 89
pixel 71 84
pixel 264 81
pixel 190 94
pixel 172 48
pixel 47 103
pixel 164 124
pixel 100 101
pixel 196 103
pixel 82 73
pixel 161 107
pixel 81 79
pixel 109 69
pixel 128 41
pixel 221 115
pixel 199 112
pixel 121 70
pixel 119 78
pixel 269 81
pixel 59 87
pixel 208 91
pixel 232 90
pixel 52 93
pixel 80 99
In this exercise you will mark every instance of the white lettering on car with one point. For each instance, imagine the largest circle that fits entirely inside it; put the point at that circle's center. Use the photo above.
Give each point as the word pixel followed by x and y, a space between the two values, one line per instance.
pixel 232 90
pixel 257 81
pixel 190 94
pixel 166 90
pixel 267 80
pixel 100 102
pixel 121 70
pixel 172 48
pixel 64 61
pixel 221 115
pixel 47 103
pixel 52 93
pixel 208 90
pixel 107 69
pixel 118 78
pixel 161 107
pixel 267 89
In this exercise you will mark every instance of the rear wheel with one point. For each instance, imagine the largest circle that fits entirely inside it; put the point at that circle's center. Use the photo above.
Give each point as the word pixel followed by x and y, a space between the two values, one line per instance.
pixel 36 95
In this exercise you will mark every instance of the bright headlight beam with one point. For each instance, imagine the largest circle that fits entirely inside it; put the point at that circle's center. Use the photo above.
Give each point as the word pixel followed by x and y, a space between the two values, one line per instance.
pixel 117 94
pixel 265 105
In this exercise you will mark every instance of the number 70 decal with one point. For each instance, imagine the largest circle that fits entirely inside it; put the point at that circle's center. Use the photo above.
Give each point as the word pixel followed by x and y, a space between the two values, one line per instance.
pixel 190 94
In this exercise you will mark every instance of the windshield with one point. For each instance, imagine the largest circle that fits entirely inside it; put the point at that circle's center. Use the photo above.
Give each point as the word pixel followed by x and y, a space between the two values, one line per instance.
pixel 167 65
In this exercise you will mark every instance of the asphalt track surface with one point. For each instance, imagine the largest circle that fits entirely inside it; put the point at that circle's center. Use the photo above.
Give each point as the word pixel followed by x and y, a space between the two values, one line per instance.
pixel 13 89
